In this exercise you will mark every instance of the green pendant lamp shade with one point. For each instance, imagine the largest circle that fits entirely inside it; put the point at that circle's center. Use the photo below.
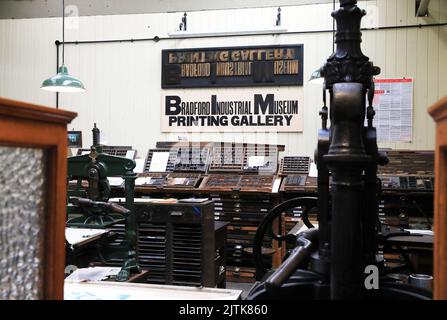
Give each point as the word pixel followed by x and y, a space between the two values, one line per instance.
pixel 63 82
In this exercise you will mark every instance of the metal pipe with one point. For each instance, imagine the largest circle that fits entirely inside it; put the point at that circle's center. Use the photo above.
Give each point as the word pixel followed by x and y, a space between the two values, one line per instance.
pixel 63 32
pixel 422 8
pixel 157 38
pixel 57 70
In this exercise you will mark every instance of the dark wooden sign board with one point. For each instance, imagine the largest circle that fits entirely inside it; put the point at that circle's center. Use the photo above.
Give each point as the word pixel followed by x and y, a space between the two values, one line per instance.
pixel 280 65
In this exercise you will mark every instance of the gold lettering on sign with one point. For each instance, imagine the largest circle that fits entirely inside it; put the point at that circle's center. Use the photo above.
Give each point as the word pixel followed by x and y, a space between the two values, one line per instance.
pixel 235 55
pixel 195 70
pixel 223 56
pixel 245 54
pixel 172 57
pixel 228 69
pixel 197 57
pixel 269 54
pixel 260 52
pixel 252 53
pixel 231 55
pixel 286 67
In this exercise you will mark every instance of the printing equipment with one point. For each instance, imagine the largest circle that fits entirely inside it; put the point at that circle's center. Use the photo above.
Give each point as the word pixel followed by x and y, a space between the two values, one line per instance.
pixel 245 186
pixel 373 207
pixel 407 189
pixel 90 207
pixel 243 196
pixel 338 259
pixel 117 151
pixel 239 178
pixel 177 242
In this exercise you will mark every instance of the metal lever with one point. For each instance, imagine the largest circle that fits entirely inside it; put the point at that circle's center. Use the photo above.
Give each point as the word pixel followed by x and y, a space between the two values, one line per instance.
pixel 307 242
pixel 90 203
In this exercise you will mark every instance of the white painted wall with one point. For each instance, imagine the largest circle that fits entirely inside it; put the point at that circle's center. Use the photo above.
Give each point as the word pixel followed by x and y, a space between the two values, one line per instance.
pixel 123 79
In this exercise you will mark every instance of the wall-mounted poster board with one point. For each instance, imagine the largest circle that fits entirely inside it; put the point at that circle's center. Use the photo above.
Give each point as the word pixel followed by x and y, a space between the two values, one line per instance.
pixel 393 103
pixel 239 110
pixel 232 67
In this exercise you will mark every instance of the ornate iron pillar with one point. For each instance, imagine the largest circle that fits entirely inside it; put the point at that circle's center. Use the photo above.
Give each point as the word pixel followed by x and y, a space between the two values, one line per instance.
pixel 348 75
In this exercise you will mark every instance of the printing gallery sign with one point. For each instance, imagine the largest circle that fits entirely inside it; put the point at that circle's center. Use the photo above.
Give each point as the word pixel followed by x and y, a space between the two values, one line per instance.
pixel 232 67
pixel 240 111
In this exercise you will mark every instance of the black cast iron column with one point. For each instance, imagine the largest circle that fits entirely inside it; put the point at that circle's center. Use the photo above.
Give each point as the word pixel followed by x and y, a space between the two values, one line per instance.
pixel 348 75
pixel 346 160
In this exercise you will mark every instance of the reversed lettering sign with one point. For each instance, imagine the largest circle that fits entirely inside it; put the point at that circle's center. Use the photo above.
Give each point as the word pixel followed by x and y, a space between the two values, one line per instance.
pixel 232 67
pixel 280 111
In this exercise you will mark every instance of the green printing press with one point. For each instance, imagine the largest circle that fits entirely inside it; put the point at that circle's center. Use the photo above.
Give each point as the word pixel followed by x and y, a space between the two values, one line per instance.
pixel 91 209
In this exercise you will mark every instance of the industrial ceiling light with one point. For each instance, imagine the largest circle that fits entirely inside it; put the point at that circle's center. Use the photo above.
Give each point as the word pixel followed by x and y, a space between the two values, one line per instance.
pixel 63 81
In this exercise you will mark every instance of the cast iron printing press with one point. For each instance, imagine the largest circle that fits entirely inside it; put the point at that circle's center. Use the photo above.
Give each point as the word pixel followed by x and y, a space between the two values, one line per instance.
pixel 333 260
pixel 92 209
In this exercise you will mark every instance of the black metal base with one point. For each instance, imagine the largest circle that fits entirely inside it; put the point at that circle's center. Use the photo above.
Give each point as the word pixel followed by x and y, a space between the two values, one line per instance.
pixel 307 285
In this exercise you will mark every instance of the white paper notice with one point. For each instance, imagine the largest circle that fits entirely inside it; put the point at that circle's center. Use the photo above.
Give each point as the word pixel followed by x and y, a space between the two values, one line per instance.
pixel 92 274
pixel 313 171
pixel 276 185
pixel 393 103
pixel 130 154
pixel 179 180
pixel 115 181
pixel 159 162
pixel 140 165
pixel 79 235
pixel 256 161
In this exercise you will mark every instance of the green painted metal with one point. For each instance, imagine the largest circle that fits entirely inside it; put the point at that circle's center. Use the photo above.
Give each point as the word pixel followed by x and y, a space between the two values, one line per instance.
pixel 104 165
pixel 63 82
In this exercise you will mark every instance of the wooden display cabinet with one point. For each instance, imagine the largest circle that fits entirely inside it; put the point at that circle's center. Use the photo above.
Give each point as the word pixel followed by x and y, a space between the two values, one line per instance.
pixel 33 179
pixel 439 113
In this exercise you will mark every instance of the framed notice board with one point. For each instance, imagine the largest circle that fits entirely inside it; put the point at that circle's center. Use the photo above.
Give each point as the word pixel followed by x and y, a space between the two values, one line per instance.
pixel 280 65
